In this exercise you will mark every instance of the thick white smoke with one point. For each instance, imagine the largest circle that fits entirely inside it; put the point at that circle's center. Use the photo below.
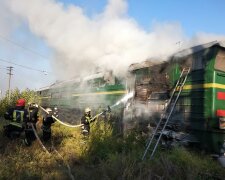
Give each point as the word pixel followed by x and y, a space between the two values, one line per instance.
pixel 7 20
pixel 110 39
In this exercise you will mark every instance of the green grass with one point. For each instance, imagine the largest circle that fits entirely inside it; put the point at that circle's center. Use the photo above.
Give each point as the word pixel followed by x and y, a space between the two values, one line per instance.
pixel 103 156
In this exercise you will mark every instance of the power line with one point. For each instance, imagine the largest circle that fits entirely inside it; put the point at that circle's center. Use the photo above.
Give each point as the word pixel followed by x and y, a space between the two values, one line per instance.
pixel 27 67
pixel 25 48
pixel 3 67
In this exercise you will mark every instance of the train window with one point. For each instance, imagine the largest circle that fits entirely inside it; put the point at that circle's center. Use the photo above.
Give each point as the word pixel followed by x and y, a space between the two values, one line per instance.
pixel 109 78
pixel 220 61
pixel 98 82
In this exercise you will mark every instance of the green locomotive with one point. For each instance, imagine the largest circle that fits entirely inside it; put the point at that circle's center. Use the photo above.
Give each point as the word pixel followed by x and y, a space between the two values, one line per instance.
pixel 202 102
pixel 200 109
pixel 95 91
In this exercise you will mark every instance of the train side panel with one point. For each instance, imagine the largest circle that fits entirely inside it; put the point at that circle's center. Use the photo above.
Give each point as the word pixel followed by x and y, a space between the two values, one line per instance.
pixel 202 101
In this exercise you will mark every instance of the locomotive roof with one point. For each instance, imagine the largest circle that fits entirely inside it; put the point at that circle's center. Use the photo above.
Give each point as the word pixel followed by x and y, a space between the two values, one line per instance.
pixel 72 81
pixel 135 66
pixel 93 76
pixel 195 49
pixel 44 88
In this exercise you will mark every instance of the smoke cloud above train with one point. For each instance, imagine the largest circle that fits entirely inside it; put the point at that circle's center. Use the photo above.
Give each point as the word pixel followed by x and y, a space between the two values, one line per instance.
pixel 110 39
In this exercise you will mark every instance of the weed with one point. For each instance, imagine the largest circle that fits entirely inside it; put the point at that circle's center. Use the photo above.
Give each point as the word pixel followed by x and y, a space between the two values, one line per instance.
pixel 104 155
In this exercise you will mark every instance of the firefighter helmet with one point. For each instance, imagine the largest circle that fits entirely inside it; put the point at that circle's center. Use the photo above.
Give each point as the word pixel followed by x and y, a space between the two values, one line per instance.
pixel 49 110
pixel 32 104
pixel 87 110
pixel 20 102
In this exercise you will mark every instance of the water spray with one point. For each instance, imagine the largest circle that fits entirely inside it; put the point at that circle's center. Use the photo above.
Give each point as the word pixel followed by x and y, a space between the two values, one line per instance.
pixel 124 99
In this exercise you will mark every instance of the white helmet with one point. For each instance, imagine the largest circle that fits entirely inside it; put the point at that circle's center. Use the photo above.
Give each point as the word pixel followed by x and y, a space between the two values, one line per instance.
pixel 87 110
pixel 49 110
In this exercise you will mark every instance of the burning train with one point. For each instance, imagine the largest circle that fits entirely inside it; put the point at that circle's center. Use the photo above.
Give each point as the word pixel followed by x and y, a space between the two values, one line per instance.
pixel 97 90
pixel 200 109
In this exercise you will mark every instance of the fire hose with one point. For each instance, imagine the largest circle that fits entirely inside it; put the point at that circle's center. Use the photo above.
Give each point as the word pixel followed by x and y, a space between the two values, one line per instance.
pixel 45 149
pixel 123 100
pixel 79 125
pixel 36 135
pixel 61 122
pixel 65 124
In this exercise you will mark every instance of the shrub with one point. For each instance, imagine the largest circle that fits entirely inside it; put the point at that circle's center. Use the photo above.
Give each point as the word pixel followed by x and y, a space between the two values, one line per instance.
pixel 28 95
pixel 104 155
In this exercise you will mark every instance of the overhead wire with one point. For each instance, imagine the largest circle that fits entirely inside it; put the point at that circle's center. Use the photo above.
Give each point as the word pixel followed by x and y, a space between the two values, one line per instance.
pixel 27 49
pixel 2 67
pixel 27 67
pixel 21 46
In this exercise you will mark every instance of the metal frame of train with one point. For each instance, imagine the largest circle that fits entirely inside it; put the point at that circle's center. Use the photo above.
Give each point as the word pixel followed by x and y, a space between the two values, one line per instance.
pixel 95 91
pixel 201 105
pixel 200 109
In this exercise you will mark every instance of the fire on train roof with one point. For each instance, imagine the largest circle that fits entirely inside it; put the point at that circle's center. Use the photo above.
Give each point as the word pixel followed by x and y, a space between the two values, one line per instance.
pixel 144 64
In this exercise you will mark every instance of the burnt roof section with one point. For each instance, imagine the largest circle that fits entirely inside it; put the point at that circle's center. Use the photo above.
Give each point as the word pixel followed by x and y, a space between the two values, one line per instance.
pixel 195 49
pixel 144 64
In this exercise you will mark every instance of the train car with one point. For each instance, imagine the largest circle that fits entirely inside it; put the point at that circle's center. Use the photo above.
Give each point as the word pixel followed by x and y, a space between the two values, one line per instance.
pixel 141 76
pixel 200 109
pixel 202 103
pixel 96 91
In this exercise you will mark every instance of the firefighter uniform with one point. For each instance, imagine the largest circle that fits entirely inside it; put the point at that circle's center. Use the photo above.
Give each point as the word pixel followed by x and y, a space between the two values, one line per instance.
pixel 86 120
pixel 46 126
pixel 18 117
pixel 32 120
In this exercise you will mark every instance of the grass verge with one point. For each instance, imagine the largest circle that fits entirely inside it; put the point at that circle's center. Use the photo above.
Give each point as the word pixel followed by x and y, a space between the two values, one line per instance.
pixel 101 156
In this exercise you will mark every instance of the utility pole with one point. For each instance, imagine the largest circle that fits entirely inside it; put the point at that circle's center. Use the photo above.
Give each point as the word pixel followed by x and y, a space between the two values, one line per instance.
pixel 10 68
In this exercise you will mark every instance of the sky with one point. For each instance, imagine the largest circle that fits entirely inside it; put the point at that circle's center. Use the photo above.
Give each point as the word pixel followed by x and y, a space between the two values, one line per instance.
pixel 63 39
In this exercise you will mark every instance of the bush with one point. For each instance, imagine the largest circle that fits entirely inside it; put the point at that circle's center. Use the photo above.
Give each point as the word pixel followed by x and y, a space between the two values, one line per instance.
pixel 104 155
pixel 28 95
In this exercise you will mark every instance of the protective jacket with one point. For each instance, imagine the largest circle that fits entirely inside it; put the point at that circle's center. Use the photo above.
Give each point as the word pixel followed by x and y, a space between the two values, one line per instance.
pixel 86 120
pixel 46 127
pixel 18 116
pixel 47 122
pixel 33 114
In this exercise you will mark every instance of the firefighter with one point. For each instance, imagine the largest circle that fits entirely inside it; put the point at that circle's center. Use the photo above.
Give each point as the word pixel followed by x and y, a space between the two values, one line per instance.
pixel 18 117
pixel 33 113
pixel 32 120
pixel 86 120
pixel 46 126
